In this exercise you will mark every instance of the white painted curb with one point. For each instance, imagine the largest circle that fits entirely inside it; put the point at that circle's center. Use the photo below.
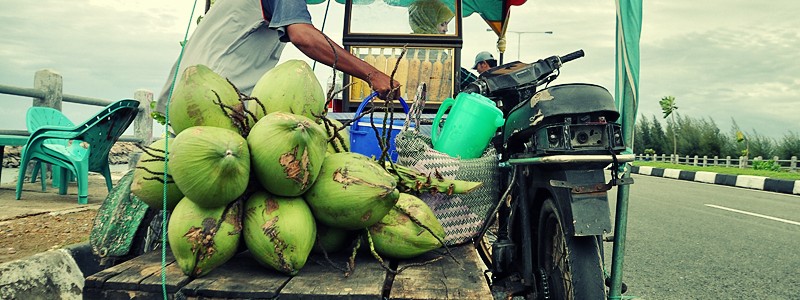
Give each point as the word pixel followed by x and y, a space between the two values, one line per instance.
pixel 646 170
pixel 707 177
pixel 749 181
pixel 672 173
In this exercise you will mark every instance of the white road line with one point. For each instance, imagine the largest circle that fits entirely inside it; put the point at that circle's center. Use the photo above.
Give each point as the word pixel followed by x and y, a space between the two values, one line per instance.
pixel 754 214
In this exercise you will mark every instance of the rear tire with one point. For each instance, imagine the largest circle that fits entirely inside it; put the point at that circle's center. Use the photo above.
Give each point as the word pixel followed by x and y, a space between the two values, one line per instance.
pixel 570 266
pixel 484 245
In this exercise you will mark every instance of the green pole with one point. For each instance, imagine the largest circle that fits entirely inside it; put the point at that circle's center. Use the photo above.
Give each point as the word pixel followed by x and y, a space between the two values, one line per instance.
pixel 620 230
pixel 629 25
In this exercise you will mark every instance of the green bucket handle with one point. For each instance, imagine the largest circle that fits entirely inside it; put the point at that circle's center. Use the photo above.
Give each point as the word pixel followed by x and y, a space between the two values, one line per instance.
pixel 442 108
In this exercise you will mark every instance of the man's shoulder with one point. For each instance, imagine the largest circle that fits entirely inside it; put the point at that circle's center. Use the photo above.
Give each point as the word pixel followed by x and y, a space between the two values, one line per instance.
pixel 285 12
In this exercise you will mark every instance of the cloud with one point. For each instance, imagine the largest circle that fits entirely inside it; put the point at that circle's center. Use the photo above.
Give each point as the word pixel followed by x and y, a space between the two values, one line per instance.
pixel 720 59
pixel 103 49
pixel 743 72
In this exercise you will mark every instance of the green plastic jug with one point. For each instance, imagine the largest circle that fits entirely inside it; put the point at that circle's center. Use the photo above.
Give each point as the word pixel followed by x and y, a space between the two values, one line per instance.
pixel 471 123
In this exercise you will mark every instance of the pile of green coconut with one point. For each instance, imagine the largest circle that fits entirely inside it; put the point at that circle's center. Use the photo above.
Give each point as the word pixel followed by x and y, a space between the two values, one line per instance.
pixel 271 171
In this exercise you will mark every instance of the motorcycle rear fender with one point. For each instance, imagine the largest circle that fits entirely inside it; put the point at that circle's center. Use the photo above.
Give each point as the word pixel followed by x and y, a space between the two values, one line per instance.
pixel 582 200
pixel 590 214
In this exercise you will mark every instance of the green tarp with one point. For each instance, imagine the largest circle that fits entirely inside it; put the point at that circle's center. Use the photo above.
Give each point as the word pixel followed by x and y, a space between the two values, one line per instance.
pixel 629 29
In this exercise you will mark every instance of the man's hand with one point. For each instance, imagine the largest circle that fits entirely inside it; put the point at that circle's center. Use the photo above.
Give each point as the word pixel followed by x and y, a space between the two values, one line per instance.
pixel 381 83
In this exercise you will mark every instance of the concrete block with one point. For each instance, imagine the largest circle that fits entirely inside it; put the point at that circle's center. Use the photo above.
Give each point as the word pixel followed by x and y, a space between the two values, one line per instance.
pixel 49 275
pixel 749 181
pixel 672 173
pixel 707 177
pixel 645 170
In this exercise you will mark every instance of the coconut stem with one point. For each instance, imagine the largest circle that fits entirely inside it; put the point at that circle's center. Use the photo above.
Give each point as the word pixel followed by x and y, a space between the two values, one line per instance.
pixel 336 136
pixel 419 264
pixel 428 229
pixel 351 262
pixel 329 96
pixel 246 112
pixel 236 117
pixel 411 181
pixel 375 253
pixel 240 116
pixel 158 175
pixel 150 150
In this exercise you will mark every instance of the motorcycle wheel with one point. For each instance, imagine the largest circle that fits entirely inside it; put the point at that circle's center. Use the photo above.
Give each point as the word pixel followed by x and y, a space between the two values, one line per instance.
pixel 570 266
pixel 484 245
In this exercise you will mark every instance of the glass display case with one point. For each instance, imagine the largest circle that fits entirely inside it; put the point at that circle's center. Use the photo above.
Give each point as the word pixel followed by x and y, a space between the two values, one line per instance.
pixel 429 31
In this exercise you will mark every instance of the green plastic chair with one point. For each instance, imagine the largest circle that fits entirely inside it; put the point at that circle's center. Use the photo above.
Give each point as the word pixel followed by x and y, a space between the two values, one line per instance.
pixel 37 117
pixel 84 147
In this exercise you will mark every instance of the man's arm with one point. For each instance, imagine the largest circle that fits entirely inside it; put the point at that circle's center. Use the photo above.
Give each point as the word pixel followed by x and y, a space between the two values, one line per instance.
pixel 309 40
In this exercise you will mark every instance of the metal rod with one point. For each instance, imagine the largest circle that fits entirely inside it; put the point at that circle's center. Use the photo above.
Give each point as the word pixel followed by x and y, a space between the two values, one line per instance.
pixel 620 230
pixel 86 100
pixel 563 159
pixel 14 132
pixel 37 93
pixel 527 235
pixel 19 91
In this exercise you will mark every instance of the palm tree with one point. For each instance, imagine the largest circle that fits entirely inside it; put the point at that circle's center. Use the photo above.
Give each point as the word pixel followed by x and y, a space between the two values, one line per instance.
pixel 668 107
pixel 740 137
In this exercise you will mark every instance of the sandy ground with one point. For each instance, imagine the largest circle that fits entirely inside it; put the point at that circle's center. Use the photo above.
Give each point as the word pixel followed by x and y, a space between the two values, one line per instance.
pixel 40 221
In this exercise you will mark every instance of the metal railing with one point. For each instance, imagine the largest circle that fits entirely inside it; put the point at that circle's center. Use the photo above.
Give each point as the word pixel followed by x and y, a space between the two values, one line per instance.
pixel 47 91
pixel 741 162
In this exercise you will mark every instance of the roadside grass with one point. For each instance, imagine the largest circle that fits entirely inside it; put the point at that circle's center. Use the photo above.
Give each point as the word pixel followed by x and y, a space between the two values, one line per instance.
pixel 721 170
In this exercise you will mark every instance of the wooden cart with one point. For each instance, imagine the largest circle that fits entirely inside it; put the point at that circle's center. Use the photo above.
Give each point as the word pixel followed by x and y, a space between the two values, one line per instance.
pixel 243 278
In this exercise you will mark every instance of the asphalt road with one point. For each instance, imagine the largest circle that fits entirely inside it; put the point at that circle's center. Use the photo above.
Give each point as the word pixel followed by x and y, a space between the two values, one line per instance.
pixel 689 240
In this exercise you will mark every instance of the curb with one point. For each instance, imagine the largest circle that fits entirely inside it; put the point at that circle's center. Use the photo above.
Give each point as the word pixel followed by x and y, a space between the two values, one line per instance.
pixel 48 275
pixel 743 181
pixel 53 274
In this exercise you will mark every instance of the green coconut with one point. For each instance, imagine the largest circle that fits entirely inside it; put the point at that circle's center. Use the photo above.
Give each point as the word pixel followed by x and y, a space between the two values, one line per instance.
pixel 202 239
pixel 342 144
pixel 148 178
pixel 291 87
pixel 351 192
pixel 210 165
pixel 196 97
pixel 332 239
pixel 279 231
pixel 287 151
pixel 398 235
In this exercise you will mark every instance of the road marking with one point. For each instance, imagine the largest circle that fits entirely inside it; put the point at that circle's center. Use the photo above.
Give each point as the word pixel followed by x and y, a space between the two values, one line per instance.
pixel 754 214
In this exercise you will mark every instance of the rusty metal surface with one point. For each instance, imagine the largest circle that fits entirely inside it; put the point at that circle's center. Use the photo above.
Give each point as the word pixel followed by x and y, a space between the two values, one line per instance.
pixel 118 218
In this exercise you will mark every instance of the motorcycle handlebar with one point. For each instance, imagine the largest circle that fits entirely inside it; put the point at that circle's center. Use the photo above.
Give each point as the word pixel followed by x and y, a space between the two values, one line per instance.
pixel 532 74
pixel 572 56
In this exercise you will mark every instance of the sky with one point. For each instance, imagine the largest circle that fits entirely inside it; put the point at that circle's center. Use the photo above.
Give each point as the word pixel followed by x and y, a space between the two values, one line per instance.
pixel 729 61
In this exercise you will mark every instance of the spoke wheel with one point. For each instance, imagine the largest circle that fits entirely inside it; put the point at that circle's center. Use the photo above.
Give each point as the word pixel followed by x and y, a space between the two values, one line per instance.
pixel 484 245
pixel 571 266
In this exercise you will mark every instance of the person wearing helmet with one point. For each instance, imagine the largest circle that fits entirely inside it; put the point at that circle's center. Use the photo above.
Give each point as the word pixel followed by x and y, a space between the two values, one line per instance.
pixel 484 61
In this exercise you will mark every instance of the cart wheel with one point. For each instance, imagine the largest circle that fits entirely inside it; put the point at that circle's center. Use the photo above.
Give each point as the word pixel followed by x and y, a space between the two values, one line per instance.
pixel 571 265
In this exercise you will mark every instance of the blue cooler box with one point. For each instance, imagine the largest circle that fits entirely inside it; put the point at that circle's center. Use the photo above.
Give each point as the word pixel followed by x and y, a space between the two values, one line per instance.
pixel 362 134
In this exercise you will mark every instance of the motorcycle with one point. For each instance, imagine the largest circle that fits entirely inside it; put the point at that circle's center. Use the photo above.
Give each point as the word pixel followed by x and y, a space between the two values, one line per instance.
pixel 544 238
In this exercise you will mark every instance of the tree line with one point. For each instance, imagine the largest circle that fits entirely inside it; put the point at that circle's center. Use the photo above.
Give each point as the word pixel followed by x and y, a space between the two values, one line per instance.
pixel 701 136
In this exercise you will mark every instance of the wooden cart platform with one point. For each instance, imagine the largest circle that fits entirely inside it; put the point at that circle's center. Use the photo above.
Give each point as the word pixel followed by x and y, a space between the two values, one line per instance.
pixel 243 278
